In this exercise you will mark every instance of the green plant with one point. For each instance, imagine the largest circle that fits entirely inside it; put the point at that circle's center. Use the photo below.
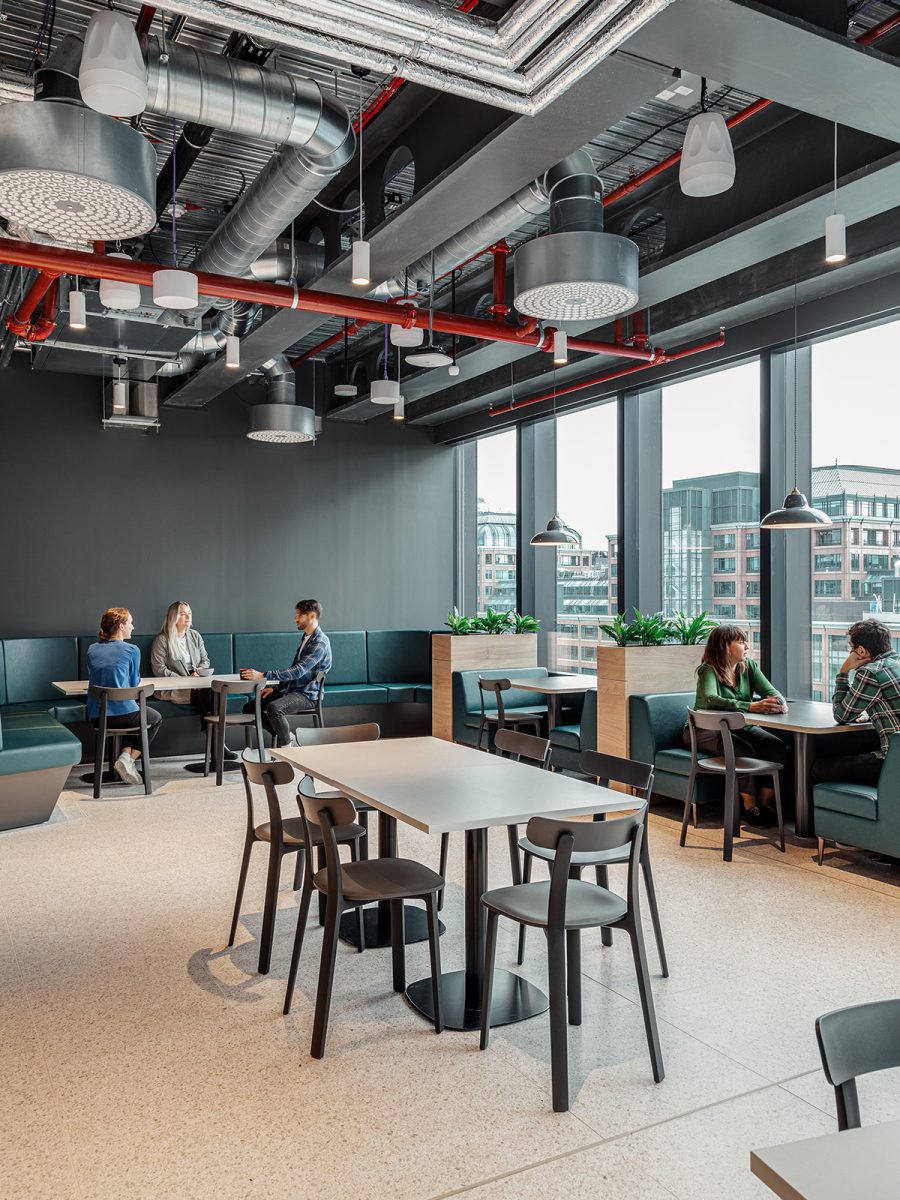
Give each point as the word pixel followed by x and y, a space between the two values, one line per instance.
pixel 524 624
pixel 619 630
pixel 651 629
pixel 690 631
pixel 493 622
pixel 458 623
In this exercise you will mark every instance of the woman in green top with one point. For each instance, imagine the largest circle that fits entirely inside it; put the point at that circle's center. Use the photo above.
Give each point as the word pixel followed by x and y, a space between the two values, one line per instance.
pixel 727 681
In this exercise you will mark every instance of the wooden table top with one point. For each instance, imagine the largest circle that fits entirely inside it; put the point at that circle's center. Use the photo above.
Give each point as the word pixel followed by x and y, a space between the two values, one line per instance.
pixel 555 685
pixel 858 1162
pixel 805 716
pixel 166 683
pixel 441 787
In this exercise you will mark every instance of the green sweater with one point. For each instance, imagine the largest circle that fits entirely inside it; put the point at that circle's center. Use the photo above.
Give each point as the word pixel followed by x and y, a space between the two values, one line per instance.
pixel 711 693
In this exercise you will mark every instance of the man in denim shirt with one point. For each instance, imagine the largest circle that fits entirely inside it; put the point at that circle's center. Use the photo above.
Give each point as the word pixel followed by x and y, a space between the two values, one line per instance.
pixel 297 690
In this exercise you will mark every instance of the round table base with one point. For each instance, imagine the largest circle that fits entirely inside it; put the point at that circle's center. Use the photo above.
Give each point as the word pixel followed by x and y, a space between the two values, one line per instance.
pixel 513 999
pixel 415 927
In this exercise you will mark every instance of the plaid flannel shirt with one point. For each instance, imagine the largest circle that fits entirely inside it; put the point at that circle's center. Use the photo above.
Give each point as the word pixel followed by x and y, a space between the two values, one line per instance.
pixel 313 655
pixel 875 690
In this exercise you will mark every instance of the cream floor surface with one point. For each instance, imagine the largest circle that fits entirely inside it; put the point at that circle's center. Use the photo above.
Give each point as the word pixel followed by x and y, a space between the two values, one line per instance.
pixel 142 1058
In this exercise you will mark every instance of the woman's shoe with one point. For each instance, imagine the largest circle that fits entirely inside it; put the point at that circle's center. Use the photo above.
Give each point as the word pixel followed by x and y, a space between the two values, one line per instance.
pixel 756 816
pixel 231 755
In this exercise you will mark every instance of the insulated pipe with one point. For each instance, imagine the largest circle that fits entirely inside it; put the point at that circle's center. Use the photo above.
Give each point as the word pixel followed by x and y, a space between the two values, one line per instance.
pixel 281 383
pixel 63 261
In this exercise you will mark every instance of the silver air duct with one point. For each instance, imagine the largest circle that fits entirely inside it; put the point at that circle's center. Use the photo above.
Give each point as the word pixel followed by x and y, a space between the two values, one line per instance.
pixel 280 419
pixel 577 272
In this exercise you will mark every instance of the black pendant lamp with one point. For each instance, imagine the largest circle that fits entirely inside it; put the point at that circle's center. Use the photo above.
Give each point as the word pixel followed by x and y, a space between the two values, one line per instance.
pixel 430 355
pixel 556 534
pixel 796 512
pixel 346 387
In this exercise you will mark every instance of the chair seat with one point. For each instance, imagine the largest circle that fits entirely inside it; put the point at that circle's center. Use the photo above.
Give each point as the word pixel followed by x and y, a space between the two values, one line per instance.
pixel 742 766
pixel 121 730
pixel 383 879
pixel 580 858
pixel 567 736
pixel 515 716
pixel 240 718
pixel 587 904
pixel 293 832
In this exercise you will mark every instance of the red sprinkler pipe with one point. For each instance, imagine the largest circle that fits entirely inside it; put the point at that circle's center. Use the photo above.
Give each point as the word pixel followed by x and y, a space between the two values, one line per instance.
pixel 499 310
pixel 63 261
pixel 660 357
pixel 20 322
pixel 144 22
pixel 352 330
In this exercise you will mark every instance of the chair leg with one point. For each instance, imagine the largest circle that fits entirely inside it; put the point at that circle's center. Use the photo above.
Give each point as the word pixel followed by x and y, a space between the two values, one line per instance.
pixel 360 911
pixel 298 870
pixel 523 929
pixel 490 954
pixel 398 946
pixel 145 754
pixel 442 866
pixel 695 815
pixel 515 865
pixel 821 847
pixel 99 764
pixel 434 952
pixel 778 814
pixel 732 802
pixel 220 755
pixel 643 979
pixel 603 881
pixel 302 917
pixel 320 863
pixel 573 975
pixel 559 1050
pixel 688 805
pixel 242 879
pixel 208 753
pixel 326 979
pixel 654 910
pixel 270 907
pixel 363 818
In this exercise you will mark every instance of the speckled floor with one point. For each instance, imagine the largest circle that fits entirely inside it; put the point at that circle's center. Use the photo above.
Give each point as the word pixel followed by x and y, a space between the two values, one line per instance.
pixel 142 1058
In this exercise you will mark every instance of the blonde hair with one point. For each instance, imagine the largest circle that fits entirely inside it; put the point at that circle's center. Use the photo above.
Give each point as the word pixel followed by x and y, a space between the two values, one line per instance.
pixel 168 628
pixel 111 622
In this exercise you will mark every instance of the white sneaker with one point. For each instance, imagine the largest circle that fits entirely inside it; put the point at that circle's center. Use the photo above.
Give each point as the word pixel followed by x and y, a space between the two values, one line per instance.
pixel 292 739
pixel 125 769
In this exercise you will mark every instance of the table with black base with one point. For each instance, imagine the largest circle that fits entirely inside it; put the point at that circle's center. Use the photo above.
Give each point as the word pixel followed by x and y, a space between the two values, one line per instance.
pixel 440 787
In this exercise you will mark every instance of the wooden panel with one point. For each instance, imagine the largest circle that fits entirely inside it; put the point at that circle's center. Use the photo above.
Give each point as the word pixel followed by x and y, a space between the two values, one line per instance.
pixel 471 652
pixel 624 671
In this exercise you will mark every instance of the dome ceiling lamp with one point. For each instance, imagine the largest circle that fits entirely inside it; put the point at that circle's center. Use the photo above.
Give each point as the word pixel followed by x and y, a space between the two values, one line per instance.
pixel 386 391
pixel 172 287
pixel 112 75
pixel 402 336
pixel 345 388
pixel 707 159
pixel 430 355
pixel 556 534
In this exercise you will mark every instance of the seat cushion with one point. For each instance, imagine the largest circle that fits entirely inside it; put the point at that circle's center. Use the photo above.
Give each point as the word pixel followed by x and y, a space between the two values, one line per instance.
pixel 586 904
pixel 401 693
pixel 398 654
pixel 354 693
pixel 423 693
pixel 851 799
pixel 31 665
pixel 34 744
pixel 383 879
pixel 566 735
pixel 678 762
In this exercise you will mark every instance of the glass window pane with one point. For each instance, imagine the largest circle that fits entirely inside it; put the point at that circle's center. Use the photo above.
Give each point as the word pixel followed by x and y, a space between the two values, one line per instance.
pixel 497 522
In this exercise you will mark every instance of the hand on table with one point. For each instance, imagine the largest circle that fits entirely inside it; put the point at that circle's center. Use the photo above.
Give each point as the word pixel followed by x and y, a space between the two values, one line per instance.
pixel 768 704
pixel 249 674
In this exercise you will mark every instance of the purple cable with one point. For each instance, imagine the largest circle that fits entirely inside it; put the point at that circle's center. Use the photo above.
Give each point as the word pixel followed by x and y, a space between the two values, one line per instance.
pixel 174 186
pixel 385 351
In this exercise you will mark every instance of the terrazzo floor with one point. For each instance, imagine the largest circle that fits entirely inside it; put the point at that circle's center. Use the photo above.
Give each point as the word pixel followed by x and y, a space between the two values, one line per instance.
pixel 143 1058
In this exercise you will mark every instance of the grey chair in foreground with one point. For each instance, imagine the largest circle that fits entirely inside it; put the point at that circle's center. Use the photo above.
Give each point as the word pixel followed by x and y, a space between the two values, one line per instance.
pixel 856 1041
pixel 563 907
pixel 607 769
pixel 730 768
pixel 285 835
pixel 114 736
pixel 351 885
pixel 221 720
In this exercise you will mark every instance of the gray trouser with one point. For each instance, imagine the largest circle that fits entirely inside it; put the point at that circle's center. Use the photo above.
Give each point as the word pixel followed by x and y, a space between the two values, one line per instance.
pixel 277 710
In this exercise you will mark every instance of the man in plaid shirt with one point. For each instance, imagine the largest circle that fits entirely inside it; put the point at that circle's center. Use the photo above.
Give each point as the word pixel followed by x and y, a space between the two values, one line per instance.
pixel 875 691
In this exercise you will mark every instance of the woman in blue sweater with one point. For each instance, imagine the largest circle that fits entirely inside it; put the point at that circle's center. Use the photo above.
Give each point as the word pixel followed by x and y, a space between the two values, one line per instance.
pixel 114 663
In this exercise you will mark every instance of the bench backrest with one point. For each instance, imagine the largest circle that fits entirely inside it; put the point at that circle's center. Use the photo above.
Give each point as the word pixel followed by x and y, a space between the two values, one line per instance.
pixel 656 722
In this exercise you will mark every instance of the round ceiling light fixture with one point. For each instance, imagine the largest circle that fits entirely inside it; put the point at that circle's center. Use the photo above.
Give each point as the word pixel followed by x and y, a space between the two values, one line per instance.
pixel 112 76
pixel 282 424
pixel 123 297
pixel 175 289
pixel 429 356
pixel 385 391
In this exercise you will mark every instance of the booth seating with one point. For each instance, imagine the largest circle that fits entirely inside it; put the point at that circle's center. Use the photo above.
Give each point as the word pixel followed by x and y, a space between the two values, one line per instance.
pixel 656 722
pixel 860 815
pixel 377 675
pixel 568 742
pixel 36 753
pixel 467 701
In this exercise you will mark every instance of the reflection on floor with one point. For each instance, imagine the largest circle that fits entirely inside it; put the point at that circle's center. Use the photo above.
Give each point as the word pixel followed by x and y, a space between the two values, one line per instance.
pixel 143 1059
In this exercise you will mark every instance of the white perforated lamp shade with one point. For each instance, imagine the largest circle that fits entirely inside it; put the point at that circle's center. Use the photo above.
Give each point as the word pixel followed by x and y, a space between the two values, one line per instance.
pixel 707 159
pixel 112 76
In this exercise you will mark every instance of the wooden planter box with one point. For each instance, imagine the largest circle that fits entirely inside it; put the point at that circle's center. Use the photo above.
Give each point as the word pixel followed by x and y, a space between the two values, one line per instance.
pixel 624 671
pixel 471 652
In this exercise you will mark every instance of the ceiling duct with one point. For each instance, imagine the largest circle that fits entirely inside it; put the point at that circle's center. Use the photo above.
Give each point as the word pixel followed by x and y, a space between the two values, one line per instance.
pixel 280 419
pixel 577 272
pixel 68 172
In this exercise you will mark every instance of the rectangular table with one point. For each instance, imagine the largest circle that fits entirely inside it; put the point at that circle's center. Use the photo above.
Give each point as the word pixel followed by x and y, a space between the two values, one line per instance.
pixel 806 719
pixel 442 787
pixel 554 687
pixel 862 1163
pixel 79 687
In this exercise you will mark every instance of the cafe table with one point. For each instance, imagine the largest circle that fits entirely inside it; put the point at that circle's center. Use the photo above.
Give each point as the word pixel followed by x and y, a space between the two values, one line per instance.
pixel 441 787
pixel 806 720
pixel 554 687
pixel 862 1163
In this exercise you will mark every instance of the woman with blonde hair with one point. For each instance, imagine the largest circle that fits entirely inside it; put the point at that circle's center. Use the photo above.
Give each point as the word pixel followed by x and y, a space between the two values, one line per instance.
pixel 727 681
pixel 114 662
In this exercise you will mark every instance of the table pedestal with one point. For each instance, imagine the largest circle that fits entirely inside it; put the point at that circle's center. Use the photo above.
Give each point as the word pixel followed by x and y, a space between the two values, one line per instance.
pixel 803 785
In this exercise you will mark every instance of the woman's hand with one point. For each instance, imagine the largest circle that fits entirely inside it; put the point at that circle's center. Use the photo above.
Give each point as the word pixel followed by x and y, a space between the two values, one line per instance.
pixel 768 704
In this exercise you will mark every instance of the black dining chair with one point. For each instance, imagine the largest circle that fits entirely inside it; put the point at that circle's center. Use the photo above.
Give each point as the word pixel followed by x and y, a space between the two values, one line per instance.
pixel 351 885
pixel 731 768
pixel 284 835
pixel 220 720
pixel 295 720
pixel 502 717
pixel 562 908
pixel 340 735
pixel 104 734
pixel 855 1041
pixel 607 769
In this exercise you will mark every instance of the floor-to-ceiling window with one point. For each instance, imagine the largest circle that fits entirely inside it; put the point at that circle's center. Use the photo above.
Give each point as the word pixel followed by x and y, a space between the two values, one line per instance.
pixel 855 433
pixel 587 501
pixel 495 569
pixel 710 502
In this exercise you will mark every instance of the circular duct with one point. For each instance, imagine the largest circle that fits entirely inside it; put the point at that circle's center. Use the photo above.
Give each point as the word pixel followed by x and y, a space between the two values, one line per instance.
pixel 73 174
pixel 282 423
pixel 576 276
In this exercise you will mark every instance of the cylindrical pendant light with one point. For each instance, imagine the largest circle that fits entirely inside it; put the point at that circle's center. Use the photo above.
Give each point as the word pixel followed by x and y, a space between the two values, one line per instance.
pixel 360 261
pixel 232 351
pixel 560 348
pixel 400 410
pixel 77 309
pixel 836 224
pixel 175 289
pixel 121 296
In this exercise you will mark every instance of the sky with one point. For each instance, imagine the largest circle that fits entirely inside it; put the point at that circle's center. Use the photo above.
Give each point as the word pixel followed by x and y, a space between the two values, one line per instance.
pixel 711 423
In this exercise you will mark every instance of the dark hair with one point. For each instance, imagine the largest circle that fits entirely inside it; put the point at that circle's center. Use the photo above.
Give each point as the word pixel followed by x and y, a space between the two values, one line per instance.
pixel 715 652
pixel 111 622
pixel 872 636
pixel 309 606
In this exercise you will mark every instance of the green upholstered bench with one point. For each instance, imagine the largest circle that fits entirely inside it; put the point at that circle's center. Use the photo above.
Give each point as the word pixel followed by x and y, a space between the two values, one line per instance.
pixel 862 816
pixel 656 722
pixel 467 699
pixel 568 740
pixel 36 754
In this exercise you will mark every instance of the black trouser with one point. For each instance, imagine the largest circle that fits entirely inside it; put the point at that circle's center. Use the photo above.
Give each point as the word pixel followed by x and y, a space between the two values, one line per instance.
pixel 752 742
pixel 848 768
pixel 128 721
pixel 202 702
pixel 277 708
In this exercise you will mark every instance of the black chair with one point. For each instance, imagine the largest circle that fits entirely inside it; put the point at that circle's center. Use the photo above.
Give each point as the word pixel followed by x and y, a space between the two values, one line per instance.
pixel 503 717
pixel 285 835
pixel 351 885
pixel 517 746
pixel 318 721
pixel 115 735
pixel 856 1041
pixel 638 776
pixel 336 735
pixel 563 907
pixel 729 768
pixel 220 720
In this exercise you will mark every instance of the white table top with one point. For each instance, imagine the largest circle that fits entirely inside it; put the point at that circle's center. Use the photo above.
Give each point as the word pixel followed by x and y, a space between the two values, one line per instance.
pixel 805 716
pixel 553 685
pixel 858 1162
pixel 167 683
pixel 440 787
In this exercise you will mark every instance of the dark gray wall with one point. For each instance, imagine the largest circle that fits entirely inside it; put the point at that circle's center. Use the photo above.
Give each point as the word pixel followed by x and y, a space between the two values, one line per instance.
pixel 363 521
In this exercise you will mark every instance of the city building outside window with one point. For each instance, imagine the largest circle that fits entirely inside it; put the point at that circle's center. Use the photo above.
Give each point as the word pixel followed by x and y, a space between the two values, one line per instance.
pixel 496 520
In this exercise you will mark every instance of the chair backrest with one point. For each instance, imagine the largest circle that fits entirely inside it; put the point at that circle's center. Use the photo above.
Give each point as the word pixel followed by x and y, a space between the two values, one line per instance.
pixel 105 694
pixel 267 775
pixel 330 814
pixel 496 687
pixel 519 746
pixel 855 1041
pixel 718 722
pixel 607 769
pixel 237 687
pixel 334 734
